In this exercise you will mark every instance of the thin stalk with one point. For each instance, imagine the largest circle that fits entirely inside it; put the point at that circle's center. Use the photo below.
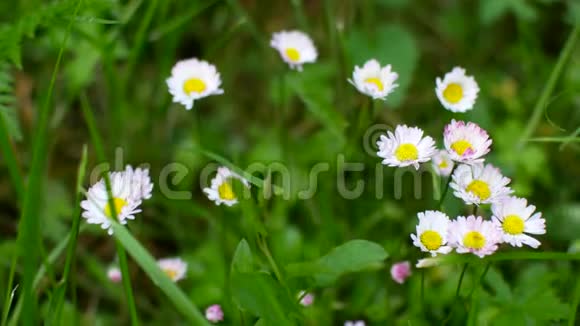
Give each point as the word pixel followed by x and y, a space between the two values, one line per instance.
pixel 550 85
pixel 96 139
pixel 299 12
pixel 446 189
pixel 263 245
pixel 475 287
pixel 125 277
pixel 72 245
pixel 457 291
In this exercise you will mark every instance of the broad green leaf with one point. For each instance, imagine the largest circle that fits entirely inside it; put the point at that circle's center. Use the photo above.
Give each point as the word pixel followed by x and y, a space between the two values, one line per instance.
pixel 390 44
pixel 243 262
pixel 261 295
pixel 350 257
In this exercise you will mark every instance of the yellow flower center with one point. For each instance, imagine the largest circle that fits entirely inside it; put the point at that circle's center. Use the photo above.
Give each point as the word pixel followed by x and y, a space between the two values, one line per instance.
pixel 226 192
pixel 171 273
pixel 453 93
pixel 474 240
pixel 119 204
pixel 292 54
pixel 431 240
pixel 375 81
pixel 406 152
pixel 513 224
pixel 461 146
pixel 443 165
pixel 480 189
pixel 194 85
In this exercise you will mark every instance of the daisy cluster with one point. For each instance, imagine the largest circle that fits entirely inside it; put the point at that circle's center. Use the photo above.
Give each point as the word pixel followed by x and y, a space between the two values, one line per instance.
pixel 512 221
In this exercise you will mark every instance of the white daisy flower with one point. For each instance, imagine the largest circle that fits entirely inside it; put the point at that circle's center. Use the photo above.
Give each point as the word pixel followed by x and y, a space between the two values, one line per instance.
pixel 432 233
pixel 128 189
pixel 457 92
pixel 175 268
pixel 479 184
pixel 374 80
pixel 514 218
pixel 295 47
pixel 442 163
pixel 405 147
pixel 466 143
pixel 474 235
pixel 193 79
pixel 221 190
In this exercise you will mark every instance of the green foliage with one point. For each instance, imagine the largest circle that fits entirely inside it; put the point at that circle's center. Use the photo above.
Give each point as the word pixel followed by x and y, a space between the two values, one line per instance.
pixel 353 256
pixel 492 10
pixel 532 300
pixel 255 257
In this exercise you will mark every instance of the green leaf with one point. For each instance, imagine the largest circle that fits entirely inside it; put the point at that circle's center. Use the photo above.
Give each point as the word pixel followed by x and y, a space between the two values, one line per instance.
pixel 259 294
pixel 390 44
pixel 243 262
pixel 350 257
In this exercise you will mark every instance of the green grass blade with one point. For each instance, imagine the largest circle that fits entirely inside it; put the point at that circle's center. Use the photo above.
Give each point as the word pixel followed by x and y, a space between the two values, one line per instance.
pixel 60 292
pixel 157 276
pixel 52 257
pixel 97 142
pixel 28 230
pixel 550 85
pixel 182 19
pixel 564 140
pixel 10 159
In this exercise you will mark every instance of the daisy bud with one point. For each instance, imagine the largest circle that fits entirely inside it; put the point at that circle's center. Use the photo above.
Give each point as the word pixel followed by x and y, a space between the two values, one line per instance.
pixel 114 274
pixel 354 323
pixel 307 299
pixel 214 313
pixel 400 271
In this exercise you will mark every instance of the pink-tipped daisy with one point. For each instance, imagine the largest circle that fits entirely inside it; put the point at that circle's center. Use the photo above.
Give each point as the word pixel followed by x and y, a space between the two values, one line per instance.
pixel 474 235
pixel 466 142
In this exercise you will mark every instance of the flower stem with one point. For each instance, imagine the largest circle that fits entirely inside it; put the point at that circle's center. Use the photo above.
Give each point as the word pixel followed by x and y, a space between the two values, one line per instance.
pixel 263 245
pixel 126 278
pixel 550 85
pixel 457 290
pixel 446 189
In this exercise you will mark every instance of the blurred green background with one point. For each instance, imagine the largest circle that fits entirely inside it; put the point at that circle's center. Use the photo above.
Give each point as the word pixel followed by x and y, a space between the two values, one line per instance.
pixel 119 54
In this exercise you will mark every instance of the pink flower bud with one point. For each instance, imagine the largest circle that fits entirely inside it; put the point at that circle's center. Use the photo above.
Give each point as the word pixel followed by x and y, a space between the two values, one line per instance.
pixel 307 299
pixel 400 271
pixel 114 274
pixel 214 313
